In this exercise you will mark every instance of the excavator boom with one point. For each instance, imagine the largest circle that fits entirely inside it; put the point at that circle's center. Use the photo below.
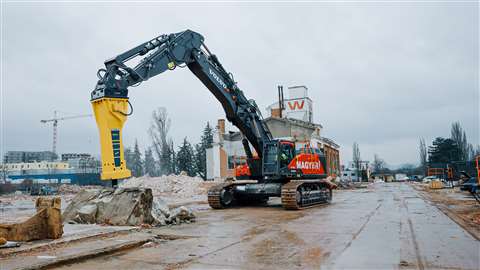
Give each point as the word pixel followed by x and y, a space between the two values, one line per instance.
pixel 270 172
pixel 161 54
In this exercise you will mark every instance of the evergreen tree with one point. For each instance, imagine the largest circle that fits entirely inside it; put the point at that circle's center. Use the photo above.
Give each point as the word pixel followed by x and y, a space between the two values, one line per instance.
pixel 150 163
pixel 206 141
pixel 443 151
pixel 184 158
pixel 137 162
pixel 128 155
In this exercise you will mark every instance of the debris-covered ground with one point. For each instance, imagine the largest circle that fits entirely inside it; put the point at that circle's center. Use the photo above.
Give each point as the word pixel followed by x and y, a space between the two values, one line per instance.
pixel 174 190
pixel 458 205
pixel 383 226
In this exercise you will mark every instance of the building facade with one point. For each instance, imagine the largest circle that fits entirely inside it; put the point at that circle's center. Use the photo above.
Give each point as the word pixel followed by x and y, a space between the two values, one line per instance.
pixel 68 156
pixel 297 106
pixel 29 156
pixel 351 173
pixel 82 171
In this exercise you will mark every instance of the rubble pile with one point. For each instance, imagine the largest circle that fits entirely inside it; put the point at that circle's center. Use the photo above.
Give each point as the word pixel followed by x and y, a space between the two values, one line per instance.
pixel 73 189
pixel 133 206
pixel 164 216
pixel 173 188
pixel 130 206
pixel 344 184
pixel 69 189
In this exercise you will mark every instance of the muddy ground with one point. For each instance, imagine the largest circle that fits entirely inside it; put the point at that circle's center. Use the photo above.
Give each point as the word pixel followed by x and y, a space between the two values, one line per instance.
pixel 458 205
pixel 387 226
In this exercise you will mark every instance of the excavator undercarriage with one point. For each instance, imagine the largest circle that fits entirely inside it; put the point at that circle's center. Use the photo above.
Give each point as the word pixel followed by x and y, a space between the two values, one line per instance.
pixel 295 194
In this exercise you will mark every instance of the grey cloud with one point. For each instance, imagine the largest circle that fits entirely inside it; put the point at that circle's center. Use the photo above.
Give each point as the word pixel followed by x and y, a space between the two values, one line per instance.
pixel 379 74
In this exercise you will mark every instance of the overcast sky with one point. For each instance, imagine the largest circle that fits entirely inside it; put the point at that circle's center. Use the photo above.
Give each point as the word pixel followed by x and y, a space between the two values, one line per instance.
pixel 380 74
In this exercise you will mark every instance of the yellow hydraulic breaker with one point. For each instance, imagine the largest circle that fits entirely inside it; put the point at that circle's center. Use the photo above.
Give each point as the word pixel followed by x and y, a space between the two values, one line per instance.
pixel 111 114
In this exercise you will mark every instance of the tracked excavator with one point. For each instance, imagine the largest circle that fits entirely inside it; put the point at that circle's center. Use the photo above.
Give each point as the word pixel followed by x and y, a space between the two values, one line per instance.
pixel 277 169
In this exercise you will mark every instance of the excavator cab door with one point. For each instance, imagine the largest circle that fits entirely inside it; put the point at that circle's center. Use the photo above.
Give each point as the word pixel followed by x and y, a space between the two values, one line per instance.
pixel 287 153
pixel 270 159
pixel 276 157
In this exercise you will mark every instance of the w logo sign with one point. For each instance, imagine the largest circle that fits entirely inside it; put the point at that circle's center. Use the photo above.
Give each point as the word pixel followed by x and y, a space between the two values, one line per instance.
pixel 295 105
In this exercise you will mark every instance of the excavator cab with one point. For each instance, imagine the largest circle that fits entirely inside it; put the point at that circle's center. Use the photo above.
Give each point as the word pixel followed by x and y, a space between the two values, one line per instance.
pixel 277 155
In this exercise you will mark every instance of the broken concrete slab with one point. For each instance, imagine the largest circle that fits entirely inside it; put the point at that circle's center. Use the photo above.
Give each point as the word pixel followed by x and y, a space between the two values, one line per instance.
pixel 160 211
pixel 45 224
pixel 123 206
pixel 75 251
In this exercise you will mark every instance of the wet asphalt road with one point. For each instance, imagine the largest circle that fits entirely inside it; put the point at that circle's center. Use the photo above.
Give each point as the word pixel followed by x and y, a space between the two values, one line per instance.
pixel 387 226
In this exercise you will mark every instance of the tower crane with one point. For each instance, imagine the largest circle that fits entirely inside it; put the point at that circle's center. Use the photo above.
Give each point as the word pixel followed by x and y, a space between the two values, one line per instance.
pixel 55 120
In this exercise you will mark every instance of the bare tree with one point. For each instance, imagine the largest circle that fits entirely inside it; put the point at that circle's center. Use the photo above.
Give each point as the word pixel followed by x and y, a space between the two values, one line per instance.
pixel 459 136
pixel 473 152
pixel 356 158
pixel 378 163
pixel 4 171
pixel 423 154
pixel 159 134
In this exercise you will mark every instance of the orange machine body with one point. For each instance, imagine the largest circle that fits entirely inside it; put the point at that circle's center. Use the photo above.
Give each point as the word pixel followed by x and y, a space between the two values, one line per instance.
pixel 307 162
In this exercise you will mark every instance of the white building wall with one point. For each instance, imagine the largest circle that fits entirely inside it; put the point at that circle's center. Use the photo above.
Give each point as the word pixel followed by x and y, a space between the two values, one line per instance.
pixel 298 105
pixel 300 108
pixel 216 161
pixel 349 175
pixel 213 157
pixel 234 148
pixel 210 164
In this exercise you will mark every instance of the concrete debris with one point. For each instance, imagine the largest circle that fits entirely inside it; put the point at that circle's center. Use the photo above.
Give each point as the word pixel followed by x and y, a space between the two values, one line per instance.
pixel 45 224
pixel 344 184
pixel 164 215
pixel 124 206
pixel 160 211
pixel 87 213
pixel 69 189
pixel 173 188
pixel 181 214
pixel 73 189
pixel 10 244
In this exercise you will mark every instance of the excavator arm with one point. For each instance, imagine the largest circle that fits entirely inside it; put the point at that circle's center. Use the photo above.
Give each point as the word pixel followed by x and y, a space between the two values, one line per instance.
pixel 167 52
